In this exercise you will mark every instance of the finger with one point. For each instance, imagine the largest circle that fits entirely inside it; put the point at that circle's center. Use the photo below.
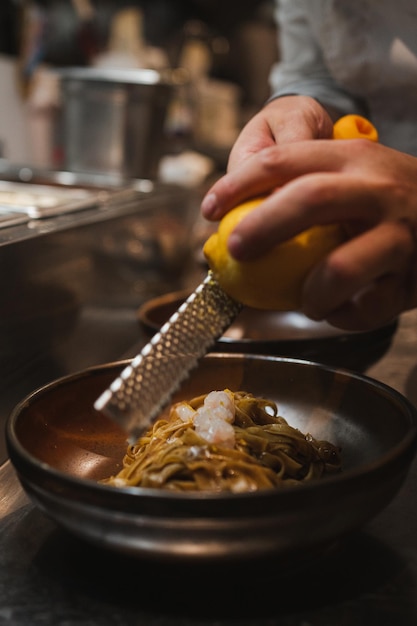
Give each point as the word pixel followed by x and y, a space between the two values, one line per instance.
pixel 384 253
pixel 269 168
pixel 255 137
pixel 237 186
pixel 315 199
pixel 282 120
pixel 374 307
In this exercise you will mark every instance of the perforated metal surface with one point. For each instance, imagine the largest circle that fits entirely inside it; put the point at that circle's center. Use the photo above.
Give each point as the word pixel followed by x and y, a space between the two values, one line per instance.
pixel 145 387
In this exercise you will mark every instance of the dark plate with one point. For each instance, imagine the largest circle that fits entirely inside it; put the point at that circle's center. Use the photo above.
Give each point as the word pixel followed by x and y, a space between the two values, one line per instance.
pixel 60 447
pixel 289 334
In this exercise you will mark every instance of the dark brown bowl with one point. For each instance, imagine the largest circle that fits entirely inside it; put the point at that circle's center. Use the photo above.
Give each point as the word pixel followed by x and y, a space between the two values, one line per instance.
pixel 288 334
pixel 60 447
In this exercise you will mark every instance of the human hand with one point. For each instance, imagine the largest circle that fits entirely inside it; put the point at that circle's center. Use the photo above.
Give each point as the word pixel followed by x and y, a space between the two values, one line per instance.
pixel 281 121
pixel 369 188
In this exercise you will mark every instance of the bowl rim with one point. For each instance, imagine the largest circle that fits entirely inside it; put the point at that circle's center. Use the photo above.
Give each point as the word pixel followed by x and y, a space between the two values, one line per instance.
pixel 338 335
pixel 27 464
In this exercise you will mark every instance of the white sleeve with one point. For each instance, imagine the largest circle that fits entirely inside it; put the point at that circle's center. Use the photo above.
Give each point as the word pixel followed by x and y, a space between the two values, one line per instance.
pixel 301 69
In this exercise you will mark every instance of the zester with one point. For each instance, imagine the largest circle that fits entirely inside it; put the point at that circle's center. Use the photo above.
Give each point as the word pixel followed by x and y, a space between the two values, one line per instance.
pixel 146 385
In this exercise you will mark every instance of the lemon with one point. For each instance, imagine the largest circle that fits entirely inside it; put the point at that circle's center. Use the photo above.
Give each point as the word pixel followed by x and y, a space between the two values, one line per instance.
pixel 354 127
pixel 273 281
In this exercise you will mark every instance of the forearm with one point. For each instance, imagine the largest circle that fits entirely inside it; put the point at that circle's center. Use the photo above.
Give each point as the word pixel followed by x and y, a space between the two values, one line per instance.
pixel 301 70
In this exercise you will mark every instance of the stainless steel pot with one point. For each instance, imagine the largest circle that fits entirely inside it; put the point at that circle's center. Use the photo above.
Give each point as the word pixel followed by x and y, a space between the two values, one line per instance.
pixel 112 121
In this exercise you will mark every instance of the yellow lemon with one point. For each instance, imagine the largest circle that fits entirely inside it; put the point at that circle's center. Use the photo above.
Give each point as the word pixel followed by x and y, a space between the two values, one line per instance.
pixel 273 281
pixel 354 127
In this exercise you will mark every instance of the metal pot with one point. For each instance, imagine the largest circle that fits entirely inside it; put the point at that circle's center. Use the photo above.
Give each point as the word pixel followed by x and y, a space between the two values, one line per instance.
pixel 112 121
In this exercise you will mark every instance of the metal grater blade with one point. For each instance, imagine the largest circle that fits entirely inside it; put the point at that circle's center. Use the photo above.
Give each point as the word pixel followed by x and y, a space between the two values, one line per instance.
pixel 146 385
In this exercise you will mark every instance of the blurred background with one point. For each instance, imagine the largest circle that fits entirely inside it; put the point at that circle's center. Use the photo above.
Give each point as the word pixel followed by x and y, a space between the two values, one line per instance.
pixel 114 118
pixel 227 49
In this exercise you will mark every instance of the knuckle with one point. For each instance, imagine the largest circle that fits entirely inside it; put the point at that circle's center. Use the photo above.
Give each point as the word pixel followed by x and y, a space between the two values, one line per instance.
pixel 271 160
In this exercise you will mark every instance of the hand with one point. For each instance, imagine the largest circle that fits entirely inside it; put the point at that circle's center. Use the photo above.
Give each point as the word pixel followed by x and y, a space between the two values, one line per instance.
pixel 369 188
pixel 284 120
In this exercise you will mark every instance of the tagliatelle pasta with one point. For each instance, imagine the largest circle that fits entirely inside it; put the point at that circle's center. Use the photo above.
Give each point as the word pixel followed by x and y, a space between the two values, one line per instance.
pixel 225 441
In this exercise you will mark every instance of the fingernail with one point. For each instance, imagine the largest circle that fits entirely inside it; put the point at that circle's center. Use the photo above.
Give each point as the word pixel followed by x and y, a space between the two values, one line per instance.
pixel 209 205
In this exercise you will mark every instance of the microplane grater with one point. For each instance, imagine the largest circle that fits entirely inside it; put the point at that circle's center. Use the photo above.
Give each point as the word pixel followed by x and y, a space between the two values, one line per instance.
pixel 145 386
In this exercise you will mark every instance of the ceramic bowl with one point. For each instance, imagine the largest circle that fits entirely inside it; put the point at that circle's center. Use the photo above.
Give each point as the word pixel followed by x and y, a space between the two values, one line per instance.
pixel 61 447
pixel 289 334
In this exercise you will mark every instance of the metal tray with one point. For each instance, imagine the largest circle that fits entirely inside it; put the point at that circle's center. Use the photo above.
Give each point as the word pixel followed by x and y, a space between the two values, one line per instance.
pixel 37 201
pixel 9 217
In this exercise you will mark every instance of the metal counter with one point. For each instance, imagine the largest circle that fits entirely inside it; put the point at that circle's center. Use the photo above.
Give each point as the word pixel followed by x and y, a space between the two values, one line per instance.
pixel 368 579
pixel 72 280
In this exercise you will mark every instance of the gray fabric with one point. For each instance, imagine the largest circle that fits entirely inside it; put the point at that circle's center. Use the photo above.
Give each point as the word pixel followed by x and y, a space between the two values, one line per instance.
pixel 359 56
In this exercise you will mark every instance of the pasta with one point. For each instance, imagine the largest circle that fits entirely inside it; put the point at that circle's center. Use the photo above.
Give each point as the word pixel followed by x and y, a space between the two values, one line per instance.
pixel 225 441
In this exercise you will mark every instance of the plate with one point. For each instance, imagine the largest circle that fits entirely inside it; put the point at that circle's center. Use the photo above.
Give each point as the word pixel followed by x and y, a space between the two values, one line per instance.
pixel 290 334
pixel 61 447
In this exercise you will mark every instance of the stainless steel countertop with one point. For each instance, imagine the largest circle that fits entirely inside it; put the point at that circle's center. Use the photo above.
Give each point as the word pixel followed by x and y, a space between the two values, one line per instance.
pixel 369 579
pixel 73 279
